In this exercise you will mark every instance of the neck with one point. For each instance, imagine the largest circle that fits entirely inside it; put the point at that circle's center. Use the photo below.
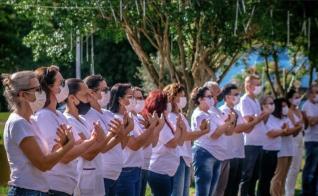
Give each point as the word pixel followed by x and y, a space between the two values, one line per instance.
pixel 122 110
pixel 312 101
pixel 53 103
pixel 204 109
pixel 72 110
pixel 230 105
pixel 24 111
pixel 96 106
pixel 251 95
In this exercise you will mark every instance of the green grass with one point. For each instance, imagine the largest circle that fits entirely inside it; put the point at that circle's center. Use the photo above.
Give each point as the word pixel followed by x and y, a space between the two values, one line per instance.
pixel 4 116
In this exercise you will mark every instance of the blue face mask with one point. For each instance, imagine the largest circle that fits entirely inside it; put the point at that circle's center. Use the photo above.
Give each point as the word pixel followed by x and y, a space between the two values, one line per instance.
pixel 83 108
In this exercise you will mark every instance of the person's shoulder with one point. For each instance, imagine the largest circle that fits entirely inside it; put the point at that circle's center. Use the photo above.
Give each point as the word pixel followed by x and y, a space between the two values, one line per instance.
pixel 108 113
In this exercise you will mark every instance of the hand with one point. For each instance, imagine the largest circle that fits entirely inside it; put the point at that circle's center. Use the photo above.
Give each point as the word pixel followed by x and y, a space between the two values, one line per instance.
pixel 144 121
pixel 99 131
pixel 264 115
pixel 161 122
pixel 205 126
pixel 65 136
pixel 153 119
pixel 116 127
pixel 180 123
pixel 128 123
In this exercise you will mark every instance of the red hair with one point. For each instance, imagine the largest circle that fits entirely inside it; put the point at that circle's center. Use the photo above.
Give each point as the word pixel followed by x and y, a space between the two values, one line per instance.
pixel 156 101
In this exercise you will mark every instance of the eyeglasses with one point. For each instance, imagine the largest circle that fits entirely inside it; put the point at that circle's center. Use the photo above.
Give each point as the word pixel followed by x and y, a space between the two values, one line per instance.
pixel 37 89
pixel 209 96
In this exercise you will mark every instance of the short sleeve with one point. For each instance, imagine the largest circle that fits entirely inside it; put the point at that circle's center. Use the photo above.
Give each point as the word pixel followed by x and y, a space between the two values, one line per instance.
pixel 308 110
pixel 246 109
pixel 20 130
pixel 165 135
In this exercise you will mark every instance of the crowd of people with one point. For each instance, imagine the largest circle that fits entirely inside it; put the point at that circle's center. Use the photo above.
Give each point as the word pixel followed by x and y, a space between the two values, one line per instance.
pixel 82 138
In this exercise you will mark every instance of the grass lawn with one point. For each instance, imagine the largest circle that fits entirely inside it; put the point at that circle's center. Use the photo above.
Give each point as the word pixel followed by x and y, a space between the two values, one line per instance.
pixel 3 189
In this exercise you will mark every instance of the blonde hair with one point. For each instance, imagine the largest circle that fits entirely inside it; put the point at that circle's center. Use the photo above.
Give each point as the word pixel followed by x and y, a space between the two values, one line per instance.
pixel 13 84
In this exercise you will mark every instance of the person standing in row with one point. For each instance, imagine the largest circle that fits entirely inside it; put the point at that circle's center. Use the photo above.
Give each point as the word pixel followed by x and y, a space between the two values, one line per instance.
pixel 92 112
pixel 62 178
pixel 235 142
pixel 209 149
pixel 296 117
pixel 250 109
pixel 310 108
pixel 28 154
pixel 177 99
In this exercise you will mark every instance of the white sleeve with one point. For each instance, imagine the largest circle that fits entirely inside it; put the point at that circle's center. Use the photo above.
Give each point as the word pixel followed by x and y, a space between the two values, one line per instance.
pixel 19 131
pixel 246 109
pixel 308 110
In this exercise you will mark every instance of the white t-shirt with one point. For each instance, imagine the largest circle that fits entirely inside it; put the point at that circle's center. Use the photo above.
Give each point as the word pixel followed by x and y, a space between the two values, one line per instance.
pixel 90 180
pixel 311 133
pixel 164 160
pixel 62 177
pixel 287 149
pixel 185 150
pixel 146 150
pixel 251 107
pixel 299 137
pixel 112 159
pixel 23 173
pixel 217 147
pixel 131 157
pixel 236 140
pixel 273 144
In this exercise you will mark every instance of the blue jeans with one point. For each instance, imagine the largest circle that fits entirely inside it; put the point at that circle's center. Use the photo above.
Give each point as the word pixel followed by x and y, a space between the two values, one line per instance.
pixel 251 170
pixel 57 193
pixel 143 181
pixel 181 180
pixel 206 171
pixel 129 182
pixel 310 172
pixel 17 191
pixel 161 185
pixel 110 187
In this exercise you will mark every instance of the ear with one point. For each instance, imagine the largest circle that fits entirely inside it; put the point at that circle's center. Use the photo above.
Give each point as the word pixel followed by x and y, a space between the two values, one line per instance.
pixel 73 99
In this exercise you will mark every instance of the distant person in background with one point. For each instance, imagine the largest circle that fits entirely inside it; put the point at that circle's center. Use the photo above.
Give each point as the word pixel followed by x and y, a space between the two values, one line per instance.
pixel 310 108
pixel 296 117
pixel 28 153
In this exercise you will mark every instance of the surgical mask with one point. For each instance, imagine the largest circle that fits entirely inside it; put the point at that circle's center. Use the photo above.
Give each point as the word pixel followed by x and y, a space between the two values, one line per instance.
pixel 169 107
pixel 209 102
pixel 296 102
pixel 131 106
pixel 103 102
pixel 182 102
pixel 140 104
pixel 237 99
pixel 83 108
pixel 40 99
pixel 63 94
pixel 285 111
pixel 257 90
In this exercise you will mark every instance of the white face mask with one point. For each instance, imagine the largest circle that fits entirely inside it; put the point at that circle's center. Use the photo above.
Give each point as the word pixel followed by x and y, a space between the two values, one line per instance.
pixel 103 102
pixel 182 103
pixel 285 111
pixel 257 90
pixel 63 94
pixel 40 99
pixel 169 107
pixel 296 102
pixel 131 106
pixel 237 99
pixel 209 102
pixel 140 104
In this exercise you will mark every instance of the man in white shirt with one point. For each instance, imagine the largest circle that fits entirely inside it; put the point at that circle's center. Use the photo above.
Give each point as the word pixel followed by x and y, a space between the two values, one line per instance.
pixel 250 109
pixel 310 108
